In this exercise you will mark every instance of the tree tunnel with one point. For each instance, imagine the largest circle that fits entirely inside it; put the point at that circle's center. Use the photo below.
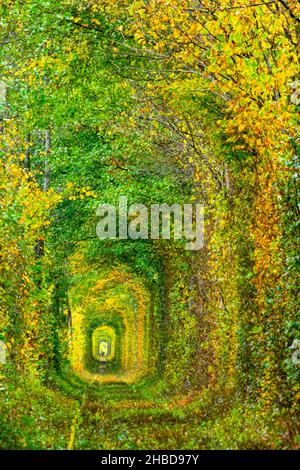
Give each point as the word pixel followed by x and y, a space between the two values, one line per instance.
pixel 114 331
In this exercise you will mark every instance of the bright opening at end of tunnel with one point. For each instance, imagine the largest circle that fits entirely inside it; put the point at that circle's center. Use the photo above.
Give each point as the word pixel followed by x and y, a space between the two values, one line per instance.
pixel 104 343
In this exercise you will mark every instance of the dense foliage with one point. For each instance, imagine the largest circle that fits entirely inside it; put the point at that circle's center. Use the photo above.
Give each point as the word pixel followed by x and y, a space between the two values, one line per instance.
pixel 174 101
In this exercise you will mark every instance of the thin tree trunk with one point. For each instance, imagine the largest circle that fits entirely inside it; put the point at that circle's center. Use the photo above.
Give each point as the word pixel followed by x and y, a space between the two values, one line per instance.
pixel 40 246
pixel 46 162
pixel 27 162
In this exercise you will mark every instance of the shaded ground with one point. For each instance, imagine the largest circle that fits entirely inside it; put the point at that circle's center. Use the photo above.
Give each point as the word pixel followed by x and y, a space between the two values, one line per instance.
pixel 67 415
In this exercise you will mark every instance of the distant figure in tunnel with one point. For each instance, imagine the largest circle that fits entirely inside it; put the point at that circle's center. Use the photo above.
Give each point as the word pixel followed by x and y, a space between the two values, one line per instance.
pixel 103 353
pixel 104 349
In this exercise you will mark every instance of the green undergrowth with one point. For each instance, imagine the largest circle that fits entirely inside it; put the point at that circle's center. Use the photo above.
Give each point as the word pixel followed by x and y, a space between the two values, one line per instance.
pixel 120 416
pixel 33 416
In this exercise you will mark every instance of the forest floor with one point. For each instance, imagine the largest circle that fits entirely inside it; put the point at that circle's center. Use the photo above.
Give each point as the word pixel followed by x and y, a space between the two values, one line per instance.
pixel 65 415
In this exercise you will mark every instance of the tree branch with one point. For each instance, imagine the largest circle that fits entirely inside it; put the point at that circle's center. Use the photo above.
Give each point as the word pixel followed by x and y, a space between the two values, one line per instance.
pixel 292 15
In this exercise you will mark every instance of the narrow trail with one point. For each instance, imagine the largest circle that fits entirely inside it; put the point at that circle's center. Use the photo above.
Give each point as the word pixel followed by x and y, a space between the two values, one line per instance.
pixel 123 416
